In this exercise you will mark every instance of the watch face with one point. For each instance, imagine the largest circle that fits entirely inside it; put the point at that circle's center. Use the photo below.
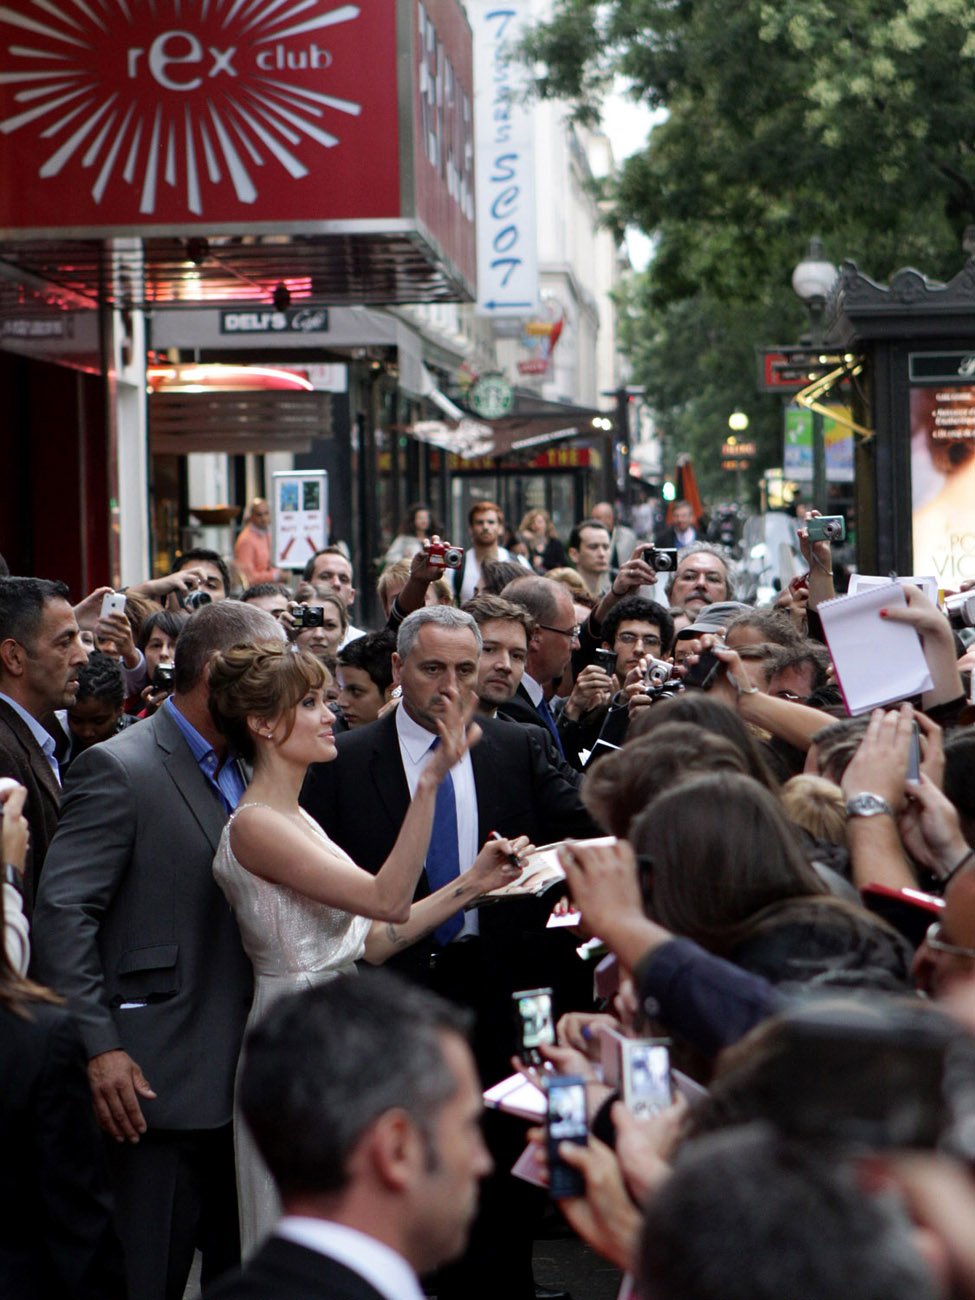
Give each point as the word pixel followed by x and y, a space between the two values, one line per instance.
pixel 492 396
pixel 866 805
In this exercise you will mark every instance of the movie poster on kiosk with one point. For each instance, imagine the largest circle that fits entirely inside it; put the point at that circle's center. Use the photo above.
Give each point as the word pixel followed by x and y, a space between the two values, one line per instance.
pixel 943 482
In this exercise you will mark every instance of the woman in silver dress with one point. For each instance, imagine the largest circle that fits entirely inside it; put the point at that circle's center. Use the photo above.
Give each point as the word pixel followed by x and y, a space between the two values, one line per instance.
pixel 306 912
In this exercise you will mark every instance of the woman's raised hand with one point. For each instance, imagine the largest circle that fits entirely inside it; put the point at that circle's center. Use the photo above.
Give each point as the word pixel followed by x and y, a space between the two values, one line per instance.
pixel 457 732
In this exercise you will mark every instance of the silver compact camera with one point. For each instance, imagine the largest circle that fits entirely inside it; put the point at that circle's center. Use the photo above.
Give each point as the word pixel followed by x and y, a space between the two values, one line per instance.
pixel 659 672
pixel 827 528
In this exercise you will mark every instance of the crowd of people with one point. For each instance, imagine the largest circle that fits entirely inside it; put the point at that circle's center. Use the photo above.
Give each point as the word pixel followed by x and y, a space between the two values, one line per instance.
pixel 223 803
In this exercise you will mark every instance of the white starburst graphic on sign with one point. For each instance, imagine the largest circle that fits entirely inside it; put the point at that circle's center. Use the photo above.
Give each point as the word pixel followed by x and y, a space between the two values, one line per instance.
pixel 178 93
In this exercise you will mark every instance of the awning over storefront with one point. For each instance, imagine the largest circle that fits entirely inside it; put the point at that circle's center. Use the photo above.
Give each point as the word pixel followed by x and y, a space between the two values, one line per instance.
pixel 237 422
pixel 534 421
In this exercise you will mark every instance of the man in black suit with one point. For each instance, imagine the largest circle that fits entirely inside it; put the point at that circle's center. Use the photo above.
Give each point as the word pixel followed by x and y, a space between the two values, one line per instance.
pixel 131 927
pixel 682 531
pixel 549 650
pixel 40 656
pixel 505 783
pixel 364 1100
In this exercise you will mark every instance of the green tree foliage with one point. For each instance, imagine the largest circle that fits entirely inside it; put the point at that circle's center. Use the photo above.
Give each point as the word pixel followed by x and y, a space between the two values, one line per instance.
pixel 854 121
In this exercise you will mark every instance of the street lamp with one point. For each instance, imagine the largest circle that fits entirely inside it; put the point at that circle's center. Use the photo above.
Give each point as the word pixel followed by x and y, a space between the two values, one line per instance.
pixel 812 280
pixel 737 423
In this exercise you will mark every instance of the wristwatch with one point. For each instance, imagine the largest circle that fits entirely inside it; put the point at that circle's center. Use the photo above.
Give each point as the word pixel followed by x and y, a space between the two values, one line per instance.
pixel 11 876
pixel 868 805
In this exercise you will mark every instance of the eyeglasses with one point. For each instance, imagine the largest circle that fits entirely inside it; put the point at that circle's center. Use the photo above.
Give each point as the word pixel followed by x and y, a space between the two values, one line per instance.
pixel 570 632
pixel 935 941
pixel 631 638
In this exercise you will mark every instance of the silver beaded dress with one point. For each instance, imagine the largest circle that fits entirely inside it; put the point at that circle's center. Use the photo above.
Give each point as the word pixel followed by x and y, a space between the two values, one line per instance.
pixel 293 942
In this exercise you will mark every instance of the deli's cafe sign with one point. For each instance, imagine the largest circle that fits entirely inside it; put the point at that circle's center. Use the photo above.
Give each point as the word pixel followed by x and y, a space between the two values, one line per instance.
pixel 161 114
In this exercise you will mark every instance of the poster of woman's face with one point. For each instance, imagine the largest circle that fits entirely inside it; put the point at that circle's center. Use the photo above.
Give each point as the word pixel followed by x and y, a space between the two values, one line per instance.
pixel 943 482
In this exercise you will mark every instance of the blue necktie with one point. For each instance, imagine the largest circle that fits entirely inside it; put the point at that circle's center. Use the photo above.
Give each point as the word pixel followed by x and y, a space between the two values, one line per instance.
pixel 545 713
pixel 443 858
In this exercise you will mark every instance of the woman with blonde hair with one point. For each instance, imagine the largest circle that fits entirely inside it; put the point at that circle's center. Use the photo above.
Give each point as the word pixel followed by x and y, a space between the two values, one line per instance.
pixel 817 806
pixel 306 912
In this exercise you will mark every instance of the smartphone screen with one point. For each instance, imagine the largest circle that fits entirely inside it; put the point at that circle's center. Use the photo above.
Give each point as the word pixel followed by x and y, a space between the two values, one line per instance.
pixel 646 1077
pixel 534 1022
pixel 565 1121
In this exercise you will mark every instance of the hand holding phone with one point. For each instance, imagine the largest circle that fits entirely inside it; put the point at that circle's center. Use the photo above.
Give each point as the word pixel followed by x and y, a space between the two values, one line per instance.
pixel 113 602
pixel 565 1121
pixel 534 1023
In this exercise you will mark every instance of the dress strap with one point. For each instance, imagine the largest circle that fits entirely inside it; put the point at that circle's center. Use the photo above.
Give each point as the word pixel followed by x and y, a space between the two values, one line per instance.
pixel 251 803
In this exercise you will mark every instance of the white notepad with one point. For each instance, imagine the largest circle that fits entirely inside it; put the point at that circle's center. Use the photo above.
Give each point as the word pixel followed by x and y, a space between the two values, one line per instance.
pixel 877 661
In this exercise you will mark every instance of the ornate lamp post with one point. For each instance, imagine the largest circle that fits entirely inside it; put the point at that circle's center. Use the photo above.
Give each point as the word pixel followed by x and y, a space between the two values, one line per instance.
pixel 812 280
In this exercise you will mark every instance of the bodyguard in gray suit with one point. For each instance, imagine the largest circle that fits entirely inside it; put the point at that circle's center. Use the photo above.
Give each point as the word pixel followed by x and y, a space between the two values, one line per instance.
pixel 130 926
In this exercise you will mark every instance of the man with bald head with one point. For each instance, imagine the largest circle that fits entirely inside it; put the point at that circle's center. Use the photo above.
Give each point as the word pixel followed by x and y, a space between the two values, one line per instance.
pixel 132 929
pixel 549 649
pixel 252 549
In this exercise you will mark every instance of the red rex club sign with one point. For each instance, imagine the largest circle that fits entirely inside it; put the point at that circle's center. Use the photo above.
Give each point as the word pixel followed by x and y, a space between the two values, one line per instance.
pixel 154 115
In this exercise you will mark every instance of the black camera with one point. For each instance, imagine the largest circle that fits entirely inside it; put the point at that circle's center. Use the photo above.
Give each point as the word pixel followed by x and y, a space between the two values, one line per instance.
pixel 163 677
pixel 309 616
pixel 196 599
pixel 606 659
pixel 662 559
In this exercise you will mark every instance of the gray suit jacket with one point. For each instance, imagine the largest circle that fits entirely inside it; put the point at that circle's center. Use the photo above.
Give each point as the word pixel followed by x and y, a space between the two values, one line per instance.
pixel 132 928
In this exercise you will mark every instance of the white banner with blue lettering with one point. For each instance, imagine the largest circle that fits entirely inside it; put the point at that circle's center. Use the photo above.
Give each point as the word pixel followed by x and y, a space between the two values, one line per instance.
pixel 504 173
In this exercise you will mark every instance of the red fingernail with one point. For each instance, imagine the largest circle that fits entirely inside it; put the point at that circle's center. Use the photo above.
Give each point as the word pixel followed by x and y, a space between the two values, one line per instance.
pixel 883 613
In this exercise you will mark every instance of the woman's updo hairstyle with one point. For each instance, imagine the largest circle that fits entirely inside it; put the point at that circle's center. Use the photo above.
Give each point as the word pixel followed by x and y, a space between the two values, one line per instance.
pixel 266 680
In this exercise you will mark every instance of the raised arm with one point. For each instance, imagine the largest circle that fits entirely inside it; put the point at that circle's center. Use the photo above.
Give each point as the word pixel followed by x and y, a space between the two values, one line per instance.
pixel 273 846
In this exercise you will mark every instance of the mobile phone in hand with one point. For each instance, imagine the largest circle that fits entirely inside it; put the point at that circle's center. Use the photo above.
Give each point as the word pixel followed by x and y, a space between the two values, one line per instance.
pixel 534 1023
pixel 645 1076
pixel 914 757
pixel 565 1121
pixel 704 673
pixel 113 602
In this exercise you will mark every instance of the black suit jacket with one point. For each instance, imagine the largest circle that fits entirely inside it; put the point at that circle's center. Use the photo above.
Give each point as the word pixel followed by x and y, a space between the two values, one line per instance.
pixel 361 798
pixel 56 1232
pixel 22 758
pixel 132 928
pixel 520 709
pixel 283 1270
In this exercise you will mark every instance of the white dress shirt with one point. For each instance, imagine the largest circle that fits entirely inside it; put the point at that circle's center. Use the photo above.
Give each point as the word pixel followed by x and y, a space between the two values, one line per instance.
pixel 380 1265
pixel 414 748
pixel 535 692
